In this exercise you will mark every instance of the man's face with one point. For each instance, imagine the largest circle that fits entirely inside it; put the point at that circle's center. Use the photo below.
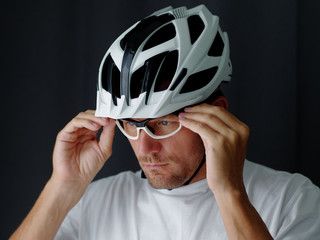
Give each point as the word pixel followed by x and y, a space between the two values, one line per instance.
pixel 170 162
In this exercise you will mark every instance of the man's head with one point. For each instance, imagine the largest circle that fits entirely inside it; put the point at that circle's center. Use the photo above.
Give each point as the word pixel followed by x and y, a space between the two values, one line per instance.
pixel 170 60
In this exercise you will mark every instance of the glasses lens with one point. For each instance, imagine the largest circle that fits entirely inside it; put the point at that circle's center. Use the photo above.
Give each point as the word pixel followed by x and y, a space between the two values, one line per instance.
pixel 128 127
pixel 163 126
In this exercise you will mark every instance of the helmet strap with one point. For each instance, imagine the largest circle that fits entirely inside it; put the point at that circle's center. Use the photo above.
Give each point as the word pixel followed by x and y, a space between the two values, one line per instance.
pixel 195 173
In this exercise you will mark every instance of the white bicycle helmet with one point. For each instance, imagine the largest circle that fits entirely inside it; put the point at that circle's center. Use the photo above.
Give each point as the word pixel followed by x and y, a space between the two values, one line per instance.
pixel 172 59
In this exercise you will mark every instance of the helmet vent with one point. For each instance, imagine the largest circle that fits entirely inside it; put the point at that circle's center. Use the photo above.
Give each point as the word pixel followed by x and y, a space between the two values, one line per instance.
pixel 167 71
pixel 196 27
pixel 110 78
pixel 199 80
pixel 164 34
pixel 217 46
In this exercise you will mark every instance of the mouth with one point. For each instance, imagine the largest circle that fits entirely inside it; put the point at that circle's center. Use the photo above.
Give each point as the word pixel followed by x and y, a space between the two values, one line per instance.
pixel 156 166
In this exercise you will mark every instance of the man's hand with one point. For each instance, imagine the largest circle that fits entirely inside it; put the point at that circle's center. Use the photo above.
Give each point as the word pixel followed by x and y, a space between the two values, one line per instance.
pixel 78 155
pixel 225 140
pixel 77 158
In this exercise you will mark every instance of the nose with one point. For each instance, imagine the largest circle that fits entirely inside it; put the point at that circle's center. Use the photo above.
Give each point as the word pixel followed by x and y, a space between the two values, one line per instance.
pixel 147 144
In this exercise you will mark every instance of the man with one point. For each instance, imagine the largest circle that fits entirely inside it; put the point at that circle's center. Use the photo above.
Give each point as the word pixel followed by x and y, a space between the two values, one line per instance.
pixel 159 83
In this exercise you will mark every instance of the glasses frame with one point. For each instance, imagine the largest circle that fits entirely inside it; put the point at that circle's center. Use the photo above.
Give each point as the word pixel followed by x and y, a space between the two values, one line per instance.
pixel 142 125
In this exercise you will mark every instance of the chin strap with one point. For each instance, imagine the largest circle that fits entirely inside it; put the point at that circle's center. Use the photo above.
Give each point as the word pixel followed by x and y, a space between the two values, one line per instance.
pixel 142 174
pixel 188 181
pixel 195 173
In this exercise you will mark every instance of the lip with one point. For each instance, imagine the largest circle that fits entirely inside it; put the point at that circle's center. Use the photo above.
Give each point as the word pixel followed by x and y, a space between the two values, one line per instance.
pixel 156 166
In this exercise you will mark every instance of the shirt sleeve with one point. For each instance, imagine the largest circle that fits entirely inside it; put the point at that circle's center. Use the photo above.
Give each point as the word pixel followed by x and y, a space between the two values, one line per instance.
pixel 300 218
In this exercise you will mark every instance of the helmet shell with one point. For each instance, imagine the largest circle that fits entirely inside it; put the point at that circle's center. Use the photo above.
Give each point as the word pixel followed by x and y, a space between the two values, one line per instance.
pixel 172 59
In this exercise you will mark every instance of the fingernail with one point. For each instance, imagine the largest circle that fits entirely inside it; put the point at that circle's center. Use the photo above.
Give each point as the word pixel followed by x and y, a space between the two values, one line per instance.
pixel 182 116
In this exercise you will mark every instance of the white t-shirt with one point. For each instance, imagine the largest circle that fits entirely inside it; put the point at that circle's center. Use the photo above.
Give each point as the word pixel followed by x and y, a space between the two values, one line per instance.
pixel 126 207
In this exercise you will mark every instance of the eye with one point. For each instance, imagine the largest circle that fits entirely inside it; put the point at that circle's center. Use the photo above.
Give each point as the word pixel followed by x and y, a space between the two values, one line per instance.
pixel 127 124
pixel 164 123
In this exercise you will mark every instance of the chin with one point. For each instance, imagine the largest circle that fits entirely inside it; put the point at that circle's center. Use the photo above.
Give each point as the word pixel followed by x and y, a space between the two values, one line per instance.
pixel 164 182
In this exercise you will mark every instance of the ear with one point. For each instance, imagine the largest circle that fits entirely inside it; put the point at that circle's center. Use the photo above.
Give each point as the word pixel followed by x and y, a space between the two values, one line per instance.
pixel 220 101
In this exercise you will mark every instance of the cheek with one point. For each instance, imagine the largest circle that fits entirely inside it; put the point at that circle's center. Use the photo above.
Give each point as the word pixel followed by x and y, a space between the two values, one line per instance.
pixel 190 139
pixel 186 146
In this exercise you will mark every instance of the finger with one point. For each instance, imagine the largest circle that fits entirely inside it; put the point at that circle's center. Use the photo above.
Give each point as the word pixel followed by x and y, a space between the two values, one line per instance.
pixel 79 123
pixel 83 135
pixel 204 131
pixel 210 120
pixel 76 128
pixel 86 120
pixel 217 111
pixel 233 132
pixel 90 115
pixel 106 138
pixel 229 119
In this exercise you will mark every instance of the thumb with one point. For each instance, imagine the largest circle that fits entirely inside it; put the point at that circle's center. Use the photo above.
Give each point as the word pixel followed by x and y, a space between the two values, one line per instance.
pixel 106 138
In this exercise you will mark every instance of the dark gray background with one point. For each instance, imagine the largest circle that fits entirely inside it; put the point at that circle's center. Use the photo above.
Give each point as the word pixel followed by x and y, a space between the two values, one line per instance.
pixel 50 54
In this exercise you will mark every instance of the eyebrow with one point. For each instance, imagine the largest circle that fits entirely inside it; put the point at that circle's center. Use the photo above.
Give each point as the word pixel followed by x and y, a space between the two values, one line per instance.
pixel 138 123
pixel 143 122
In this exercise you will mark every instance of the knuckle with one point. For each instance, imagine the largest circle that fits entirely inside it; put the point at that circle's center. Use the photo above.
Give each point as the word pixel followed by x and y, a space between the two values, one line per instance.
pixel 233 136
pixel 89 111
pixel 199 125
pixel 222 142
pixel 60 133
pixel 245 130
pixel 211 117
pixel 75 121
pixel 220 109
pixel 80 114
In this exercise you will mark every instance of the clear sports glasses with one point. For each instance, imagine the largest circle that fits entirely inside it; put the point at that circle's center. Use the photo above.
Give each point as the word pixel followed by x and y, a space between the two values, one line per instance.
pixel 157 128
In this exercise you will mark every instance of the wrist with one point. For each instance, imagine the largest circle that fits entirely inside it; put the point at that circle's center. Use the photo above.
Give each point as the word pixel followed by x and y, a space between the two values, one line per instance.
pixel 231 197
pixel 67 194
pixel 227 187
pixel 237 211
pixel 229 194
